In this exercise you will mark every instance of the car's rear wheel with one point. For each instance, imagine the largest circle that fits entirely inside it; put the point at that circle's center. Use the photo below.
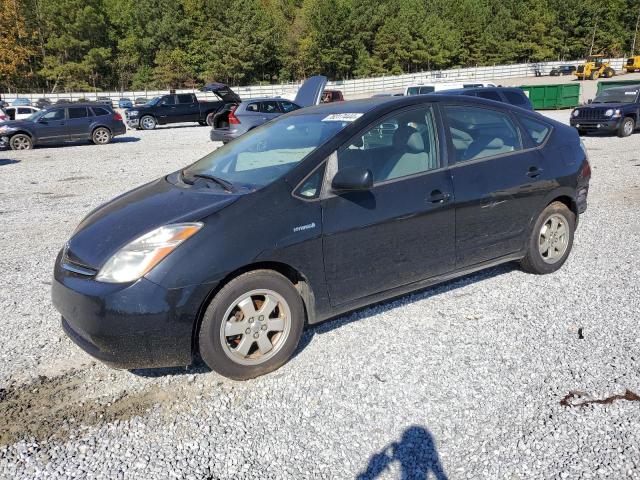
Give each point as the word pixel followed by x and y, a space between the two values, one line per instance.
pixel 252 326
pixel 148 122
pixel 609 72
pixel 551 240
pixel 21 141
pixel 626 128
pixel 101 136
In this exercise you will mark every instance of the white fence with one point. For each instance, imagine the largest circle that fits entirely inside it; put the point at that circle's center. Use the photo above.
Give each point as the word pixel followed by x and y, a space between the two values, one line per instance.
pixel 348 87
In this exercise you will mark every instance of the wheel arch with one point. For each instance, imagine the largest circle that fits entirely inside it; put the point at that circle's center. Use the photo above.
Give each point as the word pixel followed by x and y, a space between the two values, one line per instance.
pixel 297 278
pixel 100 125
pixel 27 133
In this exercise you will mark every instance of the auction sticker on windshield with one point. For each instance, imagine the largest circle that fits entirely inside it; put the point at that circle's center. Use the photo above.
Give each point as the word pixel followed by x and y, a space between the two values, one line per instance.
pixel 342 117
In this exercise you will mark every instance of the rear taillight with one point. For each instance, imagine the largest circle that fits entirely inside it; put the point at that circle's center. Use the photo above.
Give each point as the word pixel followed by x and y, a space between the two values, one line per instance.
pixel 117 117
pixel 3 118
pixel 233 120
pixel 586 170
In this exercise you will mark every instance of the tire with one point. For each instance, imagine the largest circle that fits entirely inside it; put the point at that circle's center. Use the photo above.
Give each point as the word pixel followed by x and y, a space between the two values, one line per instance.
pixel 235 352
pixel 209 119
pixel 626 128
pixel 101 136
pixel 609 72
pixel 148 122
pixel 21 141
pixel 550 243
pixel 593 76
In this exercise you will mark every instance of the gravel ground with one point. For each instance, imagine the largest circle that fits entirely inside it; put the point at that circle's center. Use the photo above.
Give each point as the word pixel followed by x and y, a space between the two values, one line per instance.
pixel 496 375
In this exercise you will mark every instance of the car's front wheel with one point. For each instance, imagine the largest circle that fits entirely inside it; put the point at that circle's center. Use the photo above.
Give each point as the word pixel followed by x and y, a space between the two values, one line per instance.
pixel 252 326
pixel 626 128
pixel 148 122
pixel 551 240
pixel 21 141
pixel 101 136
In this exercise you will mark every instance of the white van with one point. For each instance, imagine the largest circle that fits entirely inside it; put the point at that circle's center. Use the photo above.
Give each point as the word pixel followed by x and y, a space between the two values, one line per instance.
pixel 437 87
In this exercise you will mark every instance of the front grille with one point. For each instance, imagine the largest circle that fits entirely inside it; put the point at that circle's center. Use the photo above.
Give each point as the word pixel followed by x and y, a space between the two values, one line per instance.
pixel 592 114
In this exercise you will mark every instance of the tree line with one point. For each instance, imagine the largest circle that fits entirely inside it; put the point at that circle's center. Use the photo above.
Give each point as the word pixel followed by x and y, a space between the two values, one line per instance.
pixel 85 45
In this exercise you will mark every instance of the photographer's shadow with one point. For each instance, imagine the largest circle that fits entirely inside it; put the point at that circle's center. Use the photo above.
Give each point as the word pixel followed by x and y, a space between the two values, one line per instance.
pixel 415 452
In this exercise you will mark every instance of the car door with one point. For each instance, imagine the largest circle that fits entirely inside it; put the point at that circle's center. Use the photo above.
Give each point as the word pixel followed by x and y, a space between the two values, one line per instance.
pixel 401 230
pixel 52 126
pixel 498 182
pixel 79 123
pixel 167 112
pixel 187 109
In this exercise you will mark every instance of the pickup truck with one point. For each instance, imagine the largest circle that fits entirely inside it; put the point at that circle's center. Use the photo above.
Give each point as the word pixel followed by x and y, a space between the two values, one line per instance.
pixel 178 108
pixel 613 110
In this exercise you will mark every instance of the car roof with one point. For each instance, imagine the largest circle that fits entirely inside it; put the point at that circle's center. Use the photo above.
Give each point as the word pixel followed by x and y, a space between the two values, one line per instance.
pixel 266 99
pixel 80 104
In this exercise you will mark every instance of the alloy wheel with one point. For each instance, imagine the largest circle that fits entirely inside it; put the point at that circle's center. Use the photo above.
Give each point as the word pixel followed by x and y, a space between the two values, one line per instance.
pixel 20 142
pixel 553 239
pixel 101 136
pixel 255 327
pixel 148 123
pixel 628 127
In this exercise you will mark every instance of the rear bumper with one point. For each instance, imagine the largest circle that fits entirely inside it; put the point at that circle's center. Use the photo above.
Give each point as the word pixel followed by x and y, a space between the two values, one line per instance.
pixel 595 125
pixel 223 135
pixel 119 129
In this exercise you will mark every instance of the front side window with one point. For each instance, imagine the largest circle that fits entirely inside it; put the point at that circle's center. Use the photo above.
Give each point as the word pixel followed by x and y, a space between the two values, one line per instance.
pixel 481 132
pixel 400 145
pixel 53 115
pixel 538 131
pixel 77 112
pixel 252 107
pixel 310 188
pixel 265 153
pixel 289 107
pixel 185 98
pixel 168 100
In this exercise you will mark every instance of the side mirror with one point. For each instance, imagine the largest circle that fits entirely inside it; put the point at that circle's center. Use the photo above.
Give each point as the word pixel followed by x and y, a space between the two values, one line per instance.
pixel 42 120
pixel 352 179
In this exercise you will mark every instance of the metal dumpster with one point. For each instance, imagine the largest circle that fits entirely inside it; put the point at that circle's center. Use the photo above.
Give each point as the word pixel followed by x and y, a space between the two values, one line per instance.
pixel 616 83
pixel 553 97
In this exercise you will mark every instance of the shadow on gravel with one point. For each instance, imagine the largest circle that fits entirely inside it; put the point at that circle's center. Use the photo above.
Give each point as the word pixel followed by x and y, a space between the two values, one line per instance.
pixel 86 143
pixel 7 161
pixel 198 368
pixel 415 452
pixel 428 292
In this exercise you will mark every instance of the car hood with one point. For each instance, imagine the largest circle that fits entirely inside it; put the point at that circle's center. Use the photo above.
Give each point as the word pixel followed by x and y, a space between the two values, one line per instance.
pixel 223 91
pixel 16 123
pixel 310 92
pixel 116 223
pixel 591 106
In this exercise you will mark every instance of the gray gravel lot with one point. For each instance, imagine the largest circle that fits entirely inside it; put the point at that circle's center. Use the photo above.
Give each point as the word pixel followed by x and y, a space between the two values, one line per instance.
pixel 464 380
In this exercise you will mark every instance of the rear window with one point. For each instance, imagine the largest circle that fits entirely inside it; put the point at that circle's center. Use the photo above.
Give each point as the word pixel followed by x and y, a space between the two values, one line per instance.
pixel 516 98
pixel 538 131
pixel 98 111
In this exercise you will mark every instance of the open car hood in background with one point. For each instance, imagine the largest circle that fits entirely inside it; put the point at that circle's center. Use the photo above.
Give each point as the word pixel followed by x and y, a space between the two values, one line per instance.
pixel 223 91
pixel 310 92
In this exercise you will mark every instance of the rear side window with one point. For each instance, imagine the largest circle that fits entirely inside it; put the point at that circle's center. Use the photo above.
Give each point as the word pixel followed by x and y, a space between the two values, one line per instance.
pixel 481 132
pixel 98 111
pixel 185 98
pixel 288 106
pixel 425 90
pixel 269 107
pixel 489 95
pixel 538 131
pixel 78 112
pixel 23 111
pixel 515 98
pixel 252 107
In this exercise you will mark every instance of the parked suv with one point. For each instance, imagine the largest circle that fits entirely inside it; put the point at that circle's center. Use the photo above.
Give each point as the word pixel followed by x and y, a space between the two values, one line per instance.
pixel 562 70
pixel 319 212
pixel 615 110
pixel 514 96
pixel 59 124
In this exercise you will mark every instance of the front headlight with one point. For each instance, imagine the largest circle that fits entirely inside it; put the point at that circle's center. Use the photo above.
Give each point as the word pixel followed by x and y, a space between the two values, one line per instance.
pixel 138 257
pixel 6 129
pixel 133 113
pixel 608 113
pixel 575 113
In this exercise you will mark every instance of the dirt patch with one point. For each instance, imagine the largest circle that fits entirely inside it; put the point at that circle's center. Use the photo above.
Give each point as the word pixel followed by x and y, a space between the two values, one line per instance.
pixel 581 399
pixel 74 179
pixel 53 407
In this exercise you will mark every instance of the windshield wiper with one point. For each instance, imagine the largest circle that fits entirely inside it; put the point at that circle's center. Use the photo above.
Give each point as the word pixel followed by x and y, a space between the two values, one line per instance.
pixel 225 184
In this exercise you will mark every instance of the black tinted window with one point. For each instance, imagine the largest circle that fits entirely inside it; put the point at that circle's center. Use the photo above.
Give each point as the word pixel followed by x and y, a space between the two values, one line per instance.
pixel 51 115
pixel 269 107
pixel 489 95
pixel 25 111
pixel 252 107
pixel 78 112
pixel 97 111
pixel 515 98
pixel 289 107
pixel 185 98
pixel 168 100
pixel 311 186
pixel 401 145
pixel 481 132
pixel 538 131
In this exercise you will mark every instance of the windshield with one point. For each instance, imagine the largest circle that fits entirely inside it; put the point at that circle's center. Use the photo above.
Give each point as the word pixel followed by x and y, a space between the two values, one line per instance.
pixel 264 154
pixel 617 96
pixel 153 101
pixel 34 116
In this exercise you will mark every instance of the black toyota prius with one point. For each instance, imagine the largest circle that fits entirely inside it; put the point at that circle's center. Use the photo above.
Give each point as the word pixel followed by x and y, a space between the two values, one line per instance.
pixel 322 211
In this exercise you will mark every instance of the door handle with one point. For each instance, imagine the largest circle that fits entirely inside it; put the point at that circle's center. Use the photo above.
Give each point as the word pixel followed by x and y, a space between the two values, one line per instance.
pixel 534 172
pixel 438 197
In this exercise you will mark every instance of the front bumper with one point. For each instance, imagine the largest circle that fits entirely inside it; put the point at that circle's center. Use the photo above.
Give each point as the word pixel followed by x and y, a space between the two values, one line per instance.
pixel 595 125
pixel 137 325
pixel 133 122
pixel 4 142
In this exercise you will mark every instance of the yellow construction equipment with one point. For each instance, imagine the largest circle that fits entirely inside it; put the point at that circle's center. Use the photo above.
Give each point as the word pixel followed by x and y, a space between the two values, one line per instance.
pixel 594 67
pixel 633 64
